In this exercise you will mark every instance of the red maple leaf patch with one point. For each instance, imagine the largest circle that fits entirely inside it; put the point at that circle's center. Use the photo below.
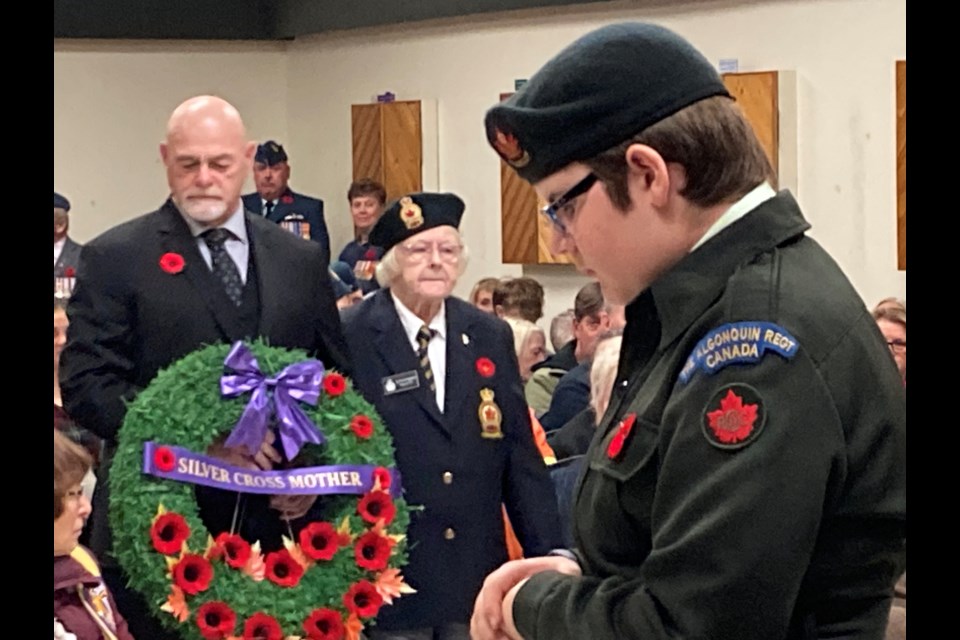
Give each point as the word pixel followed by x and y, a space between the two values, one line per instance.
pixel 733 421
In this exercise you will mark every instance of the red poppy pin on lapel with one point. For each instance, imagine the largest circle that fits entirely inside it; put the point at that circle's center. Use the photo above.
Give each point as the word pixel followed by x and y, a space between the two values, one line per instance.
pixel 485 367
pixel 620 437
pixel 172 263
pixel 734 417
pixel 287 199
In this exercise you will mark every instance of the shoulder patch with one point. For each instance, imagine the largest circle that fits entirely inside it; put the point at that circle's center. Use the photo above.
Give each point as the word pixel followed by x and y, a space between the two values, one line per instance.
pixel 738 343
pixel 734 417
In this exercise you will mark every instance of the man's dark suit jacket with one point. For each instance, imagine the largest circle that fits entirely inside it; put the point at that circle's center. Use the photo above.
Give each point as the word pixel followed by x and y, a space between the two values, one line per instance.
pixel 460 478
pixel 129 318
pixel 291 203
pixel 69 257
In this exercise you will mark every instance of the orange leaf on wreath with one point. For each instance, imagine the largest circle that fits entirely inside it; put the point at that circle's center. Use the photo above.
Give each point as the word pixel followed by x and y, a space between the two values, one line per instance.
pixel 390 585
pixel 379 529
pixel 176 604
pixel 344 531
pixel 297 553
pixel 353 627
pixel 255 567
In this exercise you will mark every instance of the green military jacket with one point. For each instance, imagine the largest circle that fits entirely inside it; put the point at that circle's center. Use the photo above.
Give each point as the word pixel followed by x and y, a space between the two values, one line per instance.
pixel 749 478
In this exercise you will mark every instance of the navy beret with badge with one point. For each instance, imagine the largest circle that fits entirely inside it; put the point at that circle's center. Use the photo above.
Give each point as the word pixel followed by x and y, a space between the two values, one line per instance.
pixel 59 202
pixel 414 213
pixel 600 91
pixel 270 153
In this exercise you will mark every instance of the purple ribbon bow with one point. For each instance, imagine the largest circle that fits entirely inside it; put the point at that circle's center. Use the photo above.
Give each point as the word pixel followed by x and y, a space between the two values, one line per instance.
pixel 298 382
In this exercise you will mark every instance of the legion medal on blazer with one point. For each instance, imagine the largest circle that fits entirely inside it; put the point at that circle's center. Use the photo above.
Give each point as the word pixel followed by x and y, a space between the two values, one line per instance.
pixel 490 415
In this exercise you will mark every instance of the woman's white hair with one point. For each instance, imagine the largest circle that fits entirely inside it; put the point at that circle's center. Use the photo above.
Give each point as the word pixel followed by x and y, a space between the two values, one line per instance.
pixel 389 268
pixel 603 372
pixel 522 330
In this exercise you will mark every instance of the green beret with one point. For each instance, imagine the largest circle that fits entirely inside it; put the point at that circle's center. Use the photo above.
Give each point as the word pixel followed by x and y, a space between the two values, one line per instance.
pixel 414 213
pixel 603 89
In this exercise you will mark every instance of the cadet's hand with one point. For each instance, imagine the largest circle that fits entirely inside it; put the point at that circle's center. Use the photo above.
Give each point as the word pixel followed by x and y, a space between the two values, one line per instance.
pixel 267 456
pixel 487 622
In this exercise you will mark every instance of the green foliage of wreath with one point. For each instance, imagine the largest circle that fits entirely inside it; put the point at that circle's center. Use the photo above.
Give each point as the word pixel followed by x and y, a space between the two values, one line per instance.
pixel 183 407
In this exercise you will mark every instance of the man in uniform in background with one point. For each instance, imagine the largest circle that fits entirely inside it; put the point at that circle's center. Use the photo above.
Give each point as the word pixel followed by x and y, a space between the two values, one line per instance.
pixel 274 200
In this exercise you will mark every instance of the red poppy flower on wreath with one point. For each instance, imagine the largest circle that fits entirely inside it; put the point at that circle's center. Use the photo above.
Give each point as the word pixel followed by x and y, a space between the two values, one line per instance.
pixel 620 437
pixel 377 505
pixel 372 551
pixel 324 624
pixel 363 599
pixel 334 384
pixel 382 475
pixel 485 367
pixel 319 540
pixel 169 532
pixel 362 426
pixel 288 199
pixel 164 459
pixel 216 620
pixel 172 263
pixel 262 627
pixel 282 569
pixel 70 272
pixel 236 550
pixel 193 574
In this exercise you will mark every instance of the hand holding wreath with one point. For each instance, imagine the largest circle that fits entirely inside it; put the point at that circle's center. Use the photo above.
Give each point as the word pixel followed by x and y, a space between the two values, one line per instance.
pixel 328 580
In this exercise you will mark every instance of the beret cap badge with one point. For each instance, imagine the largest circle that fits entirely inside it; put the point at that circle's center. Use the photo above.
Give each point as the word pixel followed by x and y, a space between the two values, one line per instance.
pixel 410 213
pixel 509 148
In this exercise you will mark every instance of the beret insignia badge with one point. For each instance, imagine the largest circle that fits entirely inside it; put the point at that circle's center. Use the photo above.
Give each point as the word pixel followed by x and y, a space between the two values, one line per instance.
pixel 509 148
pixel 410 213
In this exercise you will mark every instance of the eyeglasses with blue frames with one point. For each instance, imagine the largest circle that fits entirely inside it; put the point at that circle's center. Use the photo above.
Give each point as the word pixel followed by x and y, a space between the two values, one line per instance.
pixel 560 208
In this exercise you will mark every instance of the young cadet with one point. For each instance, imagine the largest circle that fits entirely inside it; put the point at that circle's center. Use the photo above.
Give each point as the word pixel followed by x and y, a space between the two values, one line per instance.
pixel 748 479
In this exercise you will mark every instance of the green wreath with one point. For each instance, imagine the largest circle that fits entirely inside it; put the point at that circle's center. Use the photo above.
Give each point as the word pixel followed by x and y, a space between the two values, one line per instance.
pixel 220 588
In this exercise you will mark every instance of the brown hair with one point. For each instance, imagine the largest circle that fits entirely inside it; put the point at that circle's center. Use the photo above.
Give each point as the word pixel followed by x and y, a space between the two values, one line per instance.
pixel 366 187
pixel 70 463
pixel 485 284
pixel 891 313
pixel 589 302
pixel 713 142
pixel 520 296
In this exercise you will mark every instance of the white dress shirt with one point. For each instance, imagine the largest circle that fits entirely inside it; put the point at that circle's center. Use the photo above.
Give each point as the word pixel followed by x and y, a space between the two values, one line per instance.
pixel 436 350
pixel 238 247
pixel 760 194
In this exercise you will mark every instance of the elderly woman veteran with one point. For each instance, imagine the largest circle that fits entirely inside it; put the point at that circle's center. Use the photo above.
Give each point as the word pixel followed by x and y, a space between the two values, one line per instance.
pixel 445 378
pixel 83 608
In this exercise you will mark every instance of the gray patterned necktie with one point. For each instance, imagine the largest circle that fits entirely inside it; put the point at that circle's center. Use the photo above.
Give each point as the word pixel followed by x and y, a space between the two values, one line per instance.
pixel 223 265
pixel 424 335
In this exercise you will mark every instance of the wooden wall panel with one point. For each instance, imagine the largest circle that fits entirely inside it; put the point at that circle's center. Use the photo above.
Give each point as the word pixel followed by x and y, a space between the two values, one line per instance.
pixel 902 165
pixel 757 95
pixel 367 141
pixel 518 218
pixel 387 145
pixel 401 148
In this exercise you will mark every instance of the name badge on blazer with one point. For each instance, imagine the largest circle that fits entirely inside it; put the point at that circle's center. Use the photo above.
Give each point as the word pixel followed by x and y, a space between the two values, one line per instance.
pixel 400 382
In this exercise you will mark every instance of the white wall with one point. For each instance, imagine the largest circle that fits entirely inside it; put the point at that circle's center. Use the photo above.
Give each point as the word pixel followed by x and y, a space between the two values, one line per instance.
pixel 111 104
pixel 842 51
